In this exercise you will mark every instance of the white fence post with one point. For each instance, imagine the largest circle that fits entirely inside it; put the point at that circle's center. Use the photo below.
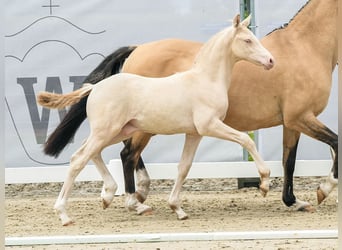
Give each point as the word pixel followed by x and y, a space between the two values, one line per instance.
pixel 115 167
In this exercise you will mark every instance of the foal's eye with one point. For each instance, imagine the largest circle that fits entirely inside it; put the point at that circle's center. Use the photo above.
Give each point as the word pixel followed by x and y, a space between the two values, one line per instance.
pixel 248 40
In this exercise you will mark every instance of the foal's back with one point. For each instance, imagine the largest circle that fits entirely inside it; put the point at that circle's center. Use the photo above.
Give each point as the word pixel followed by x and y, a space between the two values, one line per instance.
pixel 156 105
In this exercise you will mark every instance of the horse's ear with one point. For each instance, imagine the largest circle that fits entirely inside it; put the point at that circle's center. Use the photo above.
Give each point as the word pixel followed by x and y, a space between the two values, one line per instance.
pixel 236 21
pixel 247 21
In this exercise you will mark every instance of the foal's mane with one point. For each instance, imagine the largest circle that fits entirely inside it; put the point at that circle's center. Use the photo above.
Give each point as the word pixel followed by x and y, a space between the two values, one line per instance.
pixel 283 26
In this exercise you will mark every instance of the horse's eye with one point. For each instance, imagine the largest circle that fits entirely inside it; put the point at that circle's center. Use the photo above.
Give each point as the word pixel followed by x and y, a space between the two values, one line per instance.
pixel 248 40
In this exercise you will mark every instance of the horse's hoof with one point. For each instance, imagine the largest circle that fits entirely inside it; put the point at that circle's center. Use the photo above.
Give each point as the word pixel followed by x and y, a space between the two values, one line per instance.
pixel 307 208
pixel 320 195
pixel 140 197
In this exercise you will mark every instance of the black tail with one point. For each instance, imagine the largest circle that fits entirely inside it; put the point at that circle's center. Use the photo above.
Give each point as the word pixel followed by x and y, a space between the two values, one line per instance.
pixel 66 130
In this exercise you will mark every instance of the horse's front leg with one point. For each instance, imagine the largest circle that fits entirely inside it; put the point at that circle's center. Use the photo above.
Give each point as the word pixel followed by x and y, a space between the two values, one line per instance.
pixel 131 160
pixel 132 157
pixel 216 128
pixel 290 144
pixel 189 150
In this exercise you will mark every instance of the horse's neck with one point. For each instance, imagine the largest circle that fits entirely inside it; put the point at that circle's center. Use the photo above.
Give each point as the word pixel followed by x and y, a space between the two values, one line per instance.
pixel 316 24
pixel 214 60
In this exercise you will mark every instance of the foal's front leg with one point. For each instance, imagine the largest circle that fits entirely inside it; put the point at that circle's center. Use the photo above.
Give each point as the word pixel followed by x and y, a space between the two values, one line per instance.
pixel 189 150
pixel 216 128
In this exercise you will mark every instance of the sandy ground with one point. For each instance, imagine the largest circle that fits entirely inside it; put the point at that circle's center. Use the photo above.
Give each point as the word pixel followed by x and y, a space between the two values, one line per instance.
pixel 212 205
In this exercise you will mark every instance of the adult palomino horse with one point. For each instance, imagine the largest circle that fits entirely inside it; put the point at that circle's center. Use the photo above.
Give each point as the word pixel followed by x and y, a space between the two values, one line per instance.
pixel 193 102
pixel 292 95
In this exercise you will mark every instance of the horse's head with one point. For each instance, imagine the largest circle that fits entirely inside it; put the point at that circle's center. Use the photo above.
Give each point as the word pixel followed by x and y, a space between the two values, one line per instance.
pixel 246 46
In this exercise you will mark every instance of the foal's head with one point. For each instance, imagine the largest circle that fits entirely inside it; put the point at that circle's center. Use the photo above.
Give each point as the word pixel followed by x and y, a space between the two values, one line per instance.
pixel 246 46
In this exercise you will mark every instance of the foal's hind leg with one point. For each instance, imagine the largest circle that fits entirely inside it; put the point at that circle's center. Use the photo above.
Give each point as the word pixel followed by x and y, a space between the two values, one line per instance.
pixel 77 163
pixel 109 184
pixel 190 147
pixel 216 128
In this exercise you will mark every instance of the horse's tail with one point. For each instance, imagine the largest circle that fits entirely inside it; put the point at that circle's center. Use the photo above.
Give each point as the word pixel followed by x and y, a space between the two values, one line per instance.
pixel 59 101
pixel 66 130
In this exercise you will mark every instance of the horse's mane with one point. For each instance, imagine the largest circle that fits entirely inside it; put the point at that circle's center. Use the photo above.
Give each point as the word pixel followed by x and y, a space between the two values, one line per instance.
pixel 283 26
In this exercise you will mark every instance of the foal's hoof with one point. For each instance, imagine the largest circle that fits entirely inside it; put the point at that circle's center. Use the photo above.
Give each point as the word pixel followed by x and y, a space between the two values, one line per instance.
pixel 144 210
pixel 264 186
pixel 147 212
pixel 264 190
pixel 183 217
pixel 320 195
pixel 68 223
pixel 303 206
pixel 105 203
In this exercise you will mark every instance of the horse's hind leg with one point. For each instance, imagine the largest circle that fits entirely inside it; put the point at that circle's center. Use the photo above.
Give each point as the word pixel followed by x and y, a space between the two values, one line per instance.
pixel 290 143
pixel 312 127
pixel 143 181
pixel 109 185
pixel 190 147
pixel 138 143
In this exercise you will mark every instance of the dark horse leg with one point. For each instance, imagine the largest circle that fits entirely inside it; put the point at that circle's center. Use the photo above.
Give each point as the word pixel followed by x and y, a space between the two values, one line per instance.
pixel 312 127
pixel 290 144
pixel 131 160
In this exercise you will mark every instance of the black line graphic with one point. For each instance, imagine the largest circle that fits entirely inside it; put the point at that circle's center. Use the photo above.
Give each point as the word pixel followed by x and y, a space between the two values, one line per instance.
pixel 51 6
pixel 55 17
pixel 44 21
pixel 22 143
pixel 57 41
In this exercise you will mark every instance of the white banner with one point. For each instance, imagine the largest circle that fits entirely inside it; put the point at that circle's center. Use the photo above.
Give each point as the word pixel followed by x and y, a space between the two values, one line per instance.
pixel 53 45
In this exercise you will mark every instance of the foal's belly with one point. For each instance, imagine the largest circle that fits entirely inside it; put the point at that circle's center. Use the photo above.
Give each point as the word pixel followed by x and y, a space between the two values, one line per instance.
pixel 165 123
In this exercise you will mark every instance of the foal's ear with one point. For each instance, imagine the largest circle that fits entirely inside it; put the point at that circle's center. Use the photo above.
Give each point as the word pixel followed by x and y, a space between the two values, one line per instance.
pixel 247 21
pixel 236 21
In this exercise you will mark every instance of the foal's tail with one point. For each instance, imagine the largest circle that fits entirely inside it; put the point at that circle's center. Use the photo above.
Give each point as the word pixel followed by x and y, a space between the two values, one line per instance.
pixel 66 130
pixel 59 101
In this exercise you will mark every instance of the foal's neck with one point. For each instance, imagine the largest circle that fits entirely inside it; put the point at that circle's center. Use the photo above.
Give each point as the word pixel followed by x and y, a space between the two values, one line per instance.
pixel 215 60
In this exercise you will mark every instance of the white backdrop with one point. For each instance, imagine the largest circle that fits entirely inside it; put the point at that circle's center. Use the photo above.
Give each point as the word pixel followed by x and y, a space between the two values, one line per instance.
pixel 53 46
